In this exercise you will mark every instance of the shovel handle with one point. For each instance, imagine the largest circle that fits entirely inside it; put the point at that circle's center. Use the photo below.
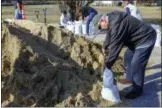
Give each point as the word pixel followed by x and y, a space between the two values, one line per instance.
pixel 95 35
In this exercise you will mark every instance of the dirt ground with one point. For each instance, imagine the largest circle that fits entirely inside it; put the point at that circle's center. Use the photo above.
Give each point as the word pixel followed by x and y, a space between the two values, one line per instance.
pixel 43 65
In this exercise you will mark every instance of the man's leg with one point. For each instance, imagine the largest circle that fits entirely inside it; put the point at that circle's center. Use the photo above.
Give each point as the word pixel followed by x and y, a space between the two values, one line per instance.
pixel 90 17
pixel 138 66
pixel 127 63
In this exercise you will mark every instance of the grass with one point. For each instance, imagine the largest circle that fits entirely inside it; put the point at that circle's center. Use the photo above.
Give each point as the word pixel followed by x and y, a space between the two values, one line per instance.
pixel 53 13
pixel 150 14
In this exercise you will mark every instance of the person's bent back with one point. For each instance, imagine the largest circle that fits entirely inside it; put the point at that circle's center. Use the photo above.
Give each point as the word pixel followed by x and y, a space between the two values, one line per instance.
pixel 87 13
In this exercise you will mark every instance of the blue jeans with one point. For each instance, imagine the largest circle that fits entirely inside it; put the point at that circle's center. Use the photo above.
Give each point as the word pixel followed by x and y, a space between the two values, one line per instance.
pixel 90 17
pixel 135 62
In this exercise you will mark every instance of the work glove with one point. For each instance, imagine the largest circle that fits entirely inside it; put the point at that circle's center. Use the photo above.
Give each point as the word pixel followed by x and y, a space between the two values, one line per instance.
pixel 104 51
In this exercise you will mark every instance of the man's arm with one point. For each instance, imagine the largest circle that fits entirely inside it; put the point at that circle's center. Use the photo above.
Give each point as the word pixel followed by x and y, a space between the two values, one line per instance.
pixel 106 41
pixel 115 46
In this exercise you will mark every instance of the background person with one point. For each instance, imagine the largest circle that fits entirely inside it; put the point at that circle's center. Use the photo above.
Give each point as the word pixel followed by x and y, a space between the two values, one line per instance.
pixel 64 18
pixel 87 13
pixel 132 10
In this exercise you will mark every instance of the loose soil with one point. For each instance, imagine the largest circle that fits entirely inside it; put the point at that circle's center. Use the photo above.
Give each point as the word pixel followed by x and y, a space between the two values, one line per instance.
pixel 43 65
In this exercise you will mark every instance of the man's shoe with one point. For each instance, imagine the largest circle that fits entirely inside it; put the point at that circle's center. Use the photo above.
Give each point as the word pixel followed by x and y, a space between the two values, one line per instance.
pixel 133 95
pixel 125 82
pixel 124 85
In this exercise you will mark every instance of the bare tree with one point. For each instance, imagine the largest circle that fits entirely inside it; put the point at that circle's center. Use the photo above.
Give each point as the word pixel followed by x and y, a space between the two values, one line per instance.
pixel 70 6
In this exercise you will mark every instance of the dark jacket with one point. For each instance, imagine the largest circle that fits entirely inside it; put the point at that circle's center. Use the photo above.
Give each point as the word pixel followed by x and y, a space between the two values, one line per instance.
pixel 86 10
pixel 125 30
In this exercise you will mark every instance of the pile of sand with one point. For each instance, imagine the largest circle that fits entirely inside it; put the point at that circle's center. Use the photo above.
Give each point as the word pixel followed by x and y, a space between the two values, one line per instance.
pixel 43 65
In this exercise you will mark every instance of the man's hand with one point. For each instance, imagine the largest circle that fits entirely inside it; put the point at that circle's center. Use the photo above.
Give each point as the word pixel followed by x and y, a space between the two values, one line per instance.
pixel 105 55
pixel 104 52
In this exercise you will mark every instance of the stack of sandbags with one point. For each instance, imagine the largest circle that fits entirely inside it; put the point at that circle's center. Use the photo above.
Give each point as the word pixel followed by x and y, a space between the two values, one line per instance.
pixel 79 27
pixel 75 27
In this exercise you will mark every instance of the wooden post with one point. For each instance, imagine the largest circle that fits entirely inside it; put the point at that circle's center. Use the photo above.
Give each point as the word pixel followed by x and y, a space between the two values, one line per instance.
pixel 45 10
pixel 37 15
pixel 135 2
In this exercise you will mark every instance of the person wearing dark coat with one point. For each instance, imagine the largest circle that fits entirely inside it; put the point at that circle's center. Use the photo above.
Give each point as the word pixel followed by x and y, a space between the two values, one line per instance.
pixel 126 30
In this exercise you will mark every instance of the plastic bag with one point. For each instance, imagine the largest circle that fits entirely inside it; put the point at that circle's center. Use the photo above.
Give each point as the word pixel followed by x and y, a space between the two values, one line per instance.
pixel 70 26
pixel 110 91
pixel 158 40
pixel 78 27
pixel 84 28
pixel 158 33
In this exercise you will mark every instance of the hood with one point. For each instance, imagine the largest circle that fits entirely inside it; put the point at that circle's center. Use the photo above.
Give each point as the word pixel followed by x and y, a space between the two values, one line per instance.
pixel 116 17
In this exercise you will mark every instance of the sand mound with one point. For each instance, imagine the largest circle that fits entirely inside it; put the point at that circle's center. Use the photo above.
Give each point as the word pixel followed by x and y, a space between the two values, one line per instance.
pixel 43 65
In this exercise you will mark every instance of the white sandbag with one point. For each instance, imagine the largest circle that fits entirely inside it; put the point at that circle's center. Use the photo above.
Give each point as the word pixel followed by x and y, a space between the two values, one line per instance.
pixel 84 29
pixel 78 27
pixel 70 26
pixel 158 40
pixel 110 91
pixel 64 20
pixel 70 23
pixel 158 33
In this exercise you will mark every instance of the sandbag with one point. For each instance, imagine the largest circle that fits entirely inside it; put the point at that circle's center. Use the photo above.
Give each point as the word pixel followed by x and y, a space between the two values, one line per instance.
pixel 78 27
pixel 110 91
pixel 84 29
pixel 158 34
pixel 70 26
